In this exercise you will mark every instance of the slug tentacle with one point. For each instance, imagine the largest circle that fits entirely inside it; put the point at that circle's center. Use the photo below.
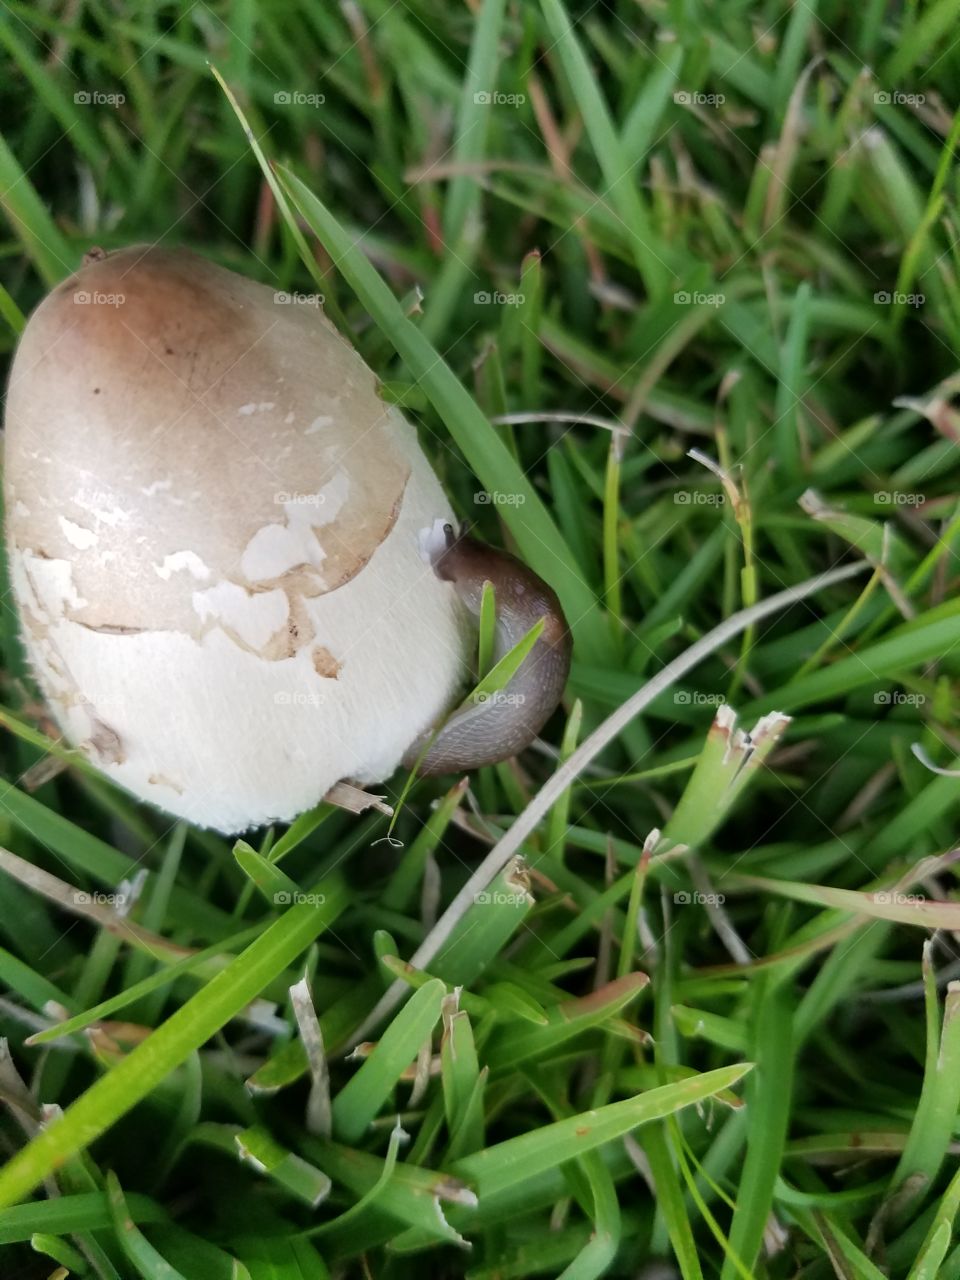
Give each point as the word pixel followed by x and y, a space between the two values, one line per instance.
pixel 502 723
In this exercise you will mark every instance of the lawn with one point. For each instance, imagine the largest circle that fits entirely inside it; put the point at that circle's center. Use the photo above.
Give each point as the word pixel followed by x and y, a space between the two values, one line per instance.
pixel 670 293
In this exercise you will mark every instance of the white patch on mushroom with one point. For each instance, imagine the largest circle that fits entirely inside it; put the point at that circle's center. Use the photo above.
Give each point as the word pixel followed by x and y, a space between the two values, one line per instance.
pixel 276 548
pixel 22 585
pixel 254 618
pixel 53 584
pixel 180 560
pixel 76 535
pixel 318 424
pixel 246 409
pixel 158 486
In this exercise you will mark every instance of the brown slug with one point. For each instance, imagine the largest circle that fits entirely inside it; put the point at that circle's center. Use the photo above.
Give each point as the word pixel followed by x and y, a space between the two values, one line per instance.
pixel 503 723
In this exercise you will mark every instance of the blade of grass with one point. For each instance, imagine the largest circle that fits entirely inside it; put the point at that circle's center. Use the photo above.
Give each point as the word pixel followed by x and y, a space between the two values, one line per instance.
pixel 361 1099
pixel 768 1098
pixel 195 1022
pixel 506 1164
pixel 649 254
pixel 43 244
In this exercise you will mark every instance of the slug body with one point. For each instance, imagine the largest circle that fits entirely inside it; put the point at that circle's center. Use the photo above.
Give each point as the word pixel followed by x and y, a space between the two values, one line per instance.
pixel 503 723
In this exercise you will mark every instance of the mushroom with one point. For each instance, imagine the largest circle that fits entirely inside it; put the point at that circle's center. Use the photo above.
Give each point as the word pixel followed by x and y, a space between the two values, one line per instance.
pixel 223 545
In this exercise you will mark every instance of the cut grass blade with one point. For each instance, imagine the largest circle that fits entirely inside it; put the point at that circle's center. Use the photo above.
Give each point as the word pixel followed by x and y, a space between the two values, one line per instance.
pixel 273 885
pixel 495 916
pixel 460 1076
pixel 302 1180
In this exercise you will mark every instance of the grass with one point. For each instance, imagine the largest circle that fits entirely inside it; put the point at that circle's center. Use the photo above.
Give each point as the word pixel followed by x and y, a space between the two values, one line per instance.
pixel 687 339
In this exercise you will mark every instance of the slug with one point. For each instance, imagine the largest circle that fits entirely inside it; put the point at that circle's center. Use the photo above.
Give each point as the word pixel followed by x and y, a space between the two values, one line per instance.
pixel 505 722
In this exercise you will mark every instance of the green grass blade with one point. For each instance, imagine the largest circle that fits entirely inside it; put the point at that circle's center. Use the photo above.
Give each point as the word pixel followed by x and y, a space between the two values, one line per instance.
pixel 502 1166
pixel 186 1030
pixel 31 223
pixel 360 1100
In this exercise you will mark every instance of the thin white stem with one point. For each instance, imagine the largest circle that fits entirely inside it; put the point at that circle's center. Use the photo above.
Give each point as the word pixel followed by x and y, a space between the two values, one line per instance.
pixel 554 787
pixel 574 419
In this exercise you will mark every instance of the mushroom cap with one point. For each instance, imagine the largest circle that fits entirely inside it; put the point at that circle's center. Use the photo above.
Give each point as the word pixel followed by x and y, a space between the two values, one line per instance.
pixel 213 527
